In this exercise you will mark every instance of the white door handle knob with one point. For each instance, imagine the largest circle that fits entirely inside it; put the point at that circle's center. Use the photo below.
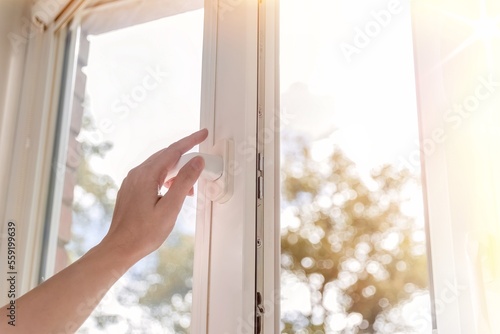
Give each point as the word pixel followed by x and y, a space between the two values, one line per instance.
pixel 217 171
pixel 214 166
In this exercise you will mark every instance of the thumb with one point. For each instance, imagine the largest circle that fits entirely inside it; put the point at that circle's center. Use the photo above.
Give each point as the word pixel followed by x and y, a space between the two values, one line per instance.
pixel 171 203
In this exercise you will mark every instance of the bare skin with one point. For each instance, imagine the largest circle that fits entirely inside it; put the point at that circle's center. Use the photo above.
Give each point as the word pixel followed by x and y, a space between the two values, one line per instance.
pixel 141 223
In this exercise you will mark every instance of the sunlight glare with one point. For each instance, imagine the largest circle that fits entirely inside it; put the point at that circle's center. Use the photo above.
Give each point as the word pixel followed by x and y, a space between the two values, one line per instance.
pixel 486 28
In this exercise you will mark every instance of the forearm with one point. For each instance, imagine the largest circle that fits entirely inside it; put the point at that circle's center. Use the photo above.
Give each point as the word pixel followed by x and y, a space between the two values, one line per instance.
pixel 63 302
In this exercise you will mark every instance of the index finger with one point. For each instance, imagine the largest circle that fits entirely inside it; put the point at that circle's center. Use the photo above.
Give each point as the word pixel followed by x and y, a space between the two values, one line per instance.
pixel 162 161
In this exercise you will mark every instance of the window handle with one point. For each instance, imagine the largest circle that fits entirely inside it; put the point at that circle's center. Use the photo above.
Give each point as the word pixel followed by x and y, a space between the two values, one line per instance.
pixel 217 170
pixel 214 165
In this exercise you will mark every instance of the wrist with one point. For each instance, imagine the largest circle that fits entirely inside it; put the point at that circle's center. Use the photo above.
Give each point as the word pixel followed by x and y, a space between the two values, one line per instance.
pixel 115 256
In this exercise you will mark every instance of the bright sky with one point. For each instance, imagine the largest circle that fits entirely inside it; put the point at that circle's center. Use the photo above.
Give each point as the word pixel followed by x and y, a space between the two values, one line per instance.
pixel 370 99
pixel 147 96
pixel 144 86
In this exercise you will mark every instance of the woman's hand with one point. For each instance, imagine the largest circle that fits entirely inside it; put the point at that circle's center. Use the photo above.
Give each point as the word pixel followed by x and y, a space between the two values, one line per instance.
pixel 142 219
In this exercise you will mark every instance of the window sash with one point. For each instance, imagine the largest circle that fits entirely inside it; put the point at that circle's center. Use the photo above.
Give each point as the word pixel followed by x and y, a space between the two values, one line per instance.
pixel 230 56
pixel 61 140
pixel 229 111
pixel 31 160
pixel 458 164
pixel 269 90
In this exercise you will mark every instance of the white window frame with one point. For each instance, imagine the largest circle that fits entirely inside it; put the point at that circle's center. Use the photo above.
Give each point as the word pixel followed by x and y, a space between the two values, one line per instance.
pixel 451 182
pixel 31 161
pixel 246 49
pixel 239 79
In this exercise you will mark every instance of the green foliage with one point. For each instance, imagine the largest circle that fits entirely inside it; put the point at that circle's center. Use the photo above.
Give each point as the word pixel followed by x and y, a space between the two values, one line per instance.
pixel 99 188
pixel 349 234
pixel 341 232
pixel 166 299
pixel 175 269
pixel 170 297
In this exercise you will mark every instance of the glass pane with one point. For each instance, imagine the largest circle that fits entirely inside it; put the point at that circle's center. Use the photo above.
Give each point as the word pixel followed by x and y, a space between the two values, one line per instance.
pixel 353 236
pixel 137 91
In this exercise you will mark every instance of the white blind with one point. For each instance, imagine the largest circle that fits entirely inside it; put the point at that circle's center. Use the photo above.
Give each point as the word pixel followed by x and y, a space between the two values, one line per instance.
pixel 46 11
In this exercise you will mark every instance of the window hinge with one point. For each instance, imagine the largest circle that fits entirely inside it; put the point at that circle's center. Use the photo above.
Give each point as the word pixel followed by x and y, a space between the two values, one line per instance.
pixel 260 176
pixel 259 313
pixel 260 187
pixel 261 162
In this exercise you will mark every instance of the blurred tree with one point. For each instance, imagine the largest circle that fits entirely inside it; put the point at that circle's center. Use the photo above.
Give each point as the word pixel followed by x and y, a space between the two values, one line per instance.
pixel 171 295
pixel 94 194
pixel 175 268
pixel 349 235
pixel 99 188
pixel 166 299
pixel 341 232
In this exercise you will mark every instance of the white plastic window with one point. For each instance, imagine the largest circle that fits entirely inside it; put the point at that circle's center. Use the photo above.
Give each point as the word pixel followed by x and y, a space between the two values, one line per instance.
pixel 162 68
pixel 353 58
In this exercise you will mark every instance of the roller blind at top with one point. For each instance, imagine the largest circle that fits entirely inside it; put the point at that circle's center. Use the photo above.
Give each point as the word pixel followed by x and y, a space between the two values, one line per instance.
pixel 46 11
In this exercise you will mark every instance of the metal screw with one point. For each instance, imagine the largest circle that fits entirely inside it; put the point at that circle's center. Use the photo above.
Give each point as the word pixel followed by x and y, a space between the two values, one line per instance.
pixel 259 242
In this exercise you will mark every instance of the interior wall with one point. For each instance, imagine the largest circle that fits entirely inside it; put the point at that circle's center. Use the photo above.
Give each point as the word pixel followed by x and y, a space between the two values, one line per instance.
pixel 14 37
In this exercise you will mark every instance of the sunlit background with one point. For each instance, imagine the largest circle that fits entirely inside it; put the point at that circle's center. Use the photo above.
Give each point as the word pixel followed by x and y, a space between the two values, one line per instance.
pixel 353 242
pixel 354 251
